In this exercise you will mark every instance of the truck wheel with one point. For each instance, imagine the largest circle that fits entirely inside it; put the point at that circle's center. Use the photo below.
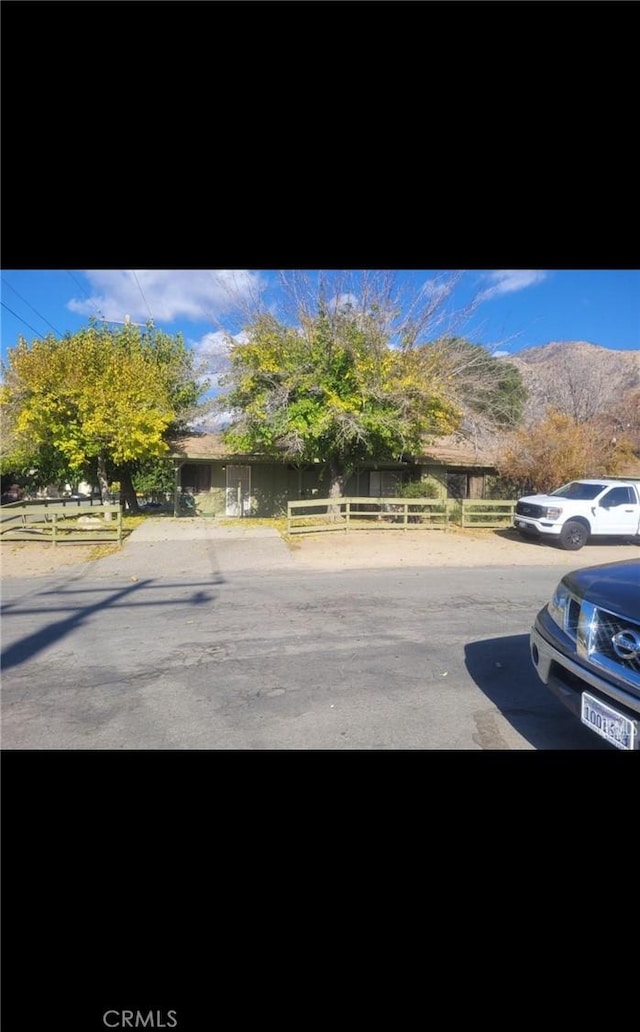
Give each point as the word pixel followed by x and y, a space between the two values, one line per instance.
pixel 573 536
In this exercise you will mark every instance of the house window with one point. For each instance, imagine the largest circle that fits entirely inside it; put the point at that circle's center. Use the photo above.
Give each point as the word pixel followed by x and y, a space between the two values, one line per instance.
pixel 465 485
pixel 196 477
pixel 383 483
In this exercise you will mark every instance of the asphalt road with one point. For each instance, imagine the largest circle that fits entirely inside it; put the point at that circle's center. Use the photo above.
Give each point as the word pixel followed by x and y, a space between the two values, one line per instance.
pixel 174 653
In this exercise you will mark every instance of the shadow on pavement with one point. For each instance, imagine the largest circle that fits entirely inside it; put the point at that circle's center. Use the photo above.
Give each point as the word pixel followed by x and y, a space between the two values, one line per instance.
pixel 502 669
pixel 27 647
pixel 511 534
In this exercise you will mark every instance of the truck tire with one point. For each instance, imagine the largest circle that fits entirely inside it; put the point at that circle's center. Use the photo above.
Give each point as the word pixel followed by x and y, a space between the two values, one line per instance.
pixel 574 535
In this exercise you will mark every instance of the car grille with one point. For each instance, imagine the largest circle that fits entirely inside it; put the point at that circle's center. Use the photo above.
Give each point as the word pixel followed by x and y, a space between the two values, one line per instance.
pixel 526 509
pixel 609 625
pixel 594 634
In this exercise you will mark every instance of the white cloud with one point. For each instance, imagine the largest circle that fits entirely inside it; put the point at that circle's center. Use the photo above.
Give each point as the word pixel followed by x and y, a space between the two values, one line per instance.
pixel 508 281
pixel 434 288
pixel 212 351
pixel 167 294
pixel 212 345
pixel 216 345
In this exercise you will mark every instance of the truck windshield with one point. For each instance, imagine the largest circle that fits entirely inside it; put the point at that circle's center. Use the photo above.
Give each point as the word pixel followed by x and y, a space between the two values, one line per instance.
pixel 583 492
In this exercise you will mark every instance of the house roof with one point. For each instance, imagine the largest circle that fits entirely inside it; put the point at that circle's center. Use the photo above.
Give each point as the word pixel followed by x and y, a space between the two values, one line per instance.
pixel 205 447
pixel 449 451
pixel 199 446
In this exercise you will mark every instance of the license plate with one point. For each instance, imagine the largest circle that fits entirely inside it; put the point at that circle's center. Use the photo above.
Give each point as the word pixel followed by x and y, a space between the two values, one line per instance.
pixel 614 727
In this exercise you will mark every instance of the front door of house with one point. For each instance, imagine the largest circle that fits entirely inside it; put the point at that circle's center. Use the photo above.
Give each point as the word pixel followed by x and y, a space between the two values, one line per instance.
pixel 238 501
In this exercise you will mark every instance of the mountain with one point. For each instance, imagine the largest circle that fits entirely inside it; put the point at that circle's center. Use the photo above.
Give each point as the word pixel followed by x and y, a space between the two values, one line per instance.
pixel 586 381
pixel 583 379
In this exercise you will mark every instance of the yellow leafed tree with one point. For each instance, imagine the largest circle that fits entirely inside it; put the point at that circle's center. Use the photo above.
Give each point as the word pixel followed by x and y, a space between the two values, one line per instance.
pixel 96 395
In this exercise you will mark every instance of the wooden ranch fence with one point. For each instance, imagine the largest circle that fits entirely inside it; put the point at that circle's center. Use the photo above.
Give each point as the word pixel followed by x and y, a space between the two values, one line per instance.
pixel 482 513
pixel 320 514
pixel 57 522
pixel 314 515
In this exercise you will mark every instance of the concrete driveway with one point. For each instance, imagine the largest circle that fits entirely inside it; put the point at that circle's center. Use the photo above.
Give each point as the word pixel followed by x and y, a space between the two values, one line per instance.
pixel 186 547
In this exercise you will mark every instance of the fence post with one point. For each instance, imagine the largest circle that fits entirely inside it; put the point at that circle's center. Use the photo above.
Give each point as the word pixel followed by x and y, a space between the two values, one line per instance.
pixel 119 522
pixel 347 516
pixel 53 529
pixel 405 515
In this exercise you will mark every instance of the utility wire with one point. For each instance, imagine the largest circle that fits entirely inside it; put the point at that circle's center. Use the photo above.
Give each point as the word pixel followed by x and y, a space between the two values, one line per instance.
pixel 143 297
pixel 20 319
pixel 39 314
pixel 88 296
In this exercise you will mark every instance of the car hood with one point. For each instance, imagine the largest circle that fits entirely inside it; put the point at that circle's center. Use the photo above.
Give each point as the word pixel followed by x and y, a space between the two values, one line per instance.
pixel 543 499
pixel 612 586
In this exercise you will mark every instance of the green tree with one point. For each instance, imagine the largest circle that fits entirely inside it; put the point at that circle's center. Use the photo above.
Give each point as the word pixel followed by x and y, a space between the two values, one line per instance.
pixel 153 477
pixel 331 389
pixel 186 385
pixel 485 386
pixel 99 397
pixel 350 369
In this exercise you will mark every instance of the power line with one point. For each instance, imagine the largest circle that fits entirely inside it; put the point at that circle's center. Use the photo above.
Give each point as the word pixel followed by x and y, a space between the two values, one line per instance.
pixel 143 297
pixel 39 314
pixel 20 319
pixel 79 284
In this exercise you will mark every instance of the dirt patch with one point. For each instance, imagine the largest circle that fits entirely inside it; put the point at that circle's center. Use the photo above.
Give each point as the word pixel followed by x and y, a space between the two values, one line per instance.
pixel 34 559
pixel 360 550
pixel 455 547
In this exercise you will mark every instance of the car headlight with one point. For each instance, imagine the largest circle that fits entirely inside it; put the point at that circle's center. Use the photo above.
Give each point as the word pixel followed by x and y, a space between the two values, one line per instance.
pixel 554 514
pixel 558 606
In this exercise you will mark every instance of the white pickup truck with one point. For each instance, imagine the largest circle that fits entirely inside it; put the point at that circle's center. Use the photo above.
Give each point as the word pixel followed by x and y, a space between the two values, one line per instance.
pixel 606 506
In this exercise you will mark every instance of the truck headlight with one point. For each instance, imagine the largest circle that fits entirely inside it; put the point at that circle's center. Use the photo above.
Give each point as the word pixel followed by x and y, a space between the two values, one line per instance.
pixel 554 514
pixel 557 607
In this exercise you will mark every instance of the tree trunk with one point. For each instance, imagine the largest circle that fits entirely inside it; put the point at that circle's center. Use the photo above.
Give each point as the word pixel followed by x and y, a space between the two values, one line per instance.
pixel 127 491
pixel 103 483
pixel 337 480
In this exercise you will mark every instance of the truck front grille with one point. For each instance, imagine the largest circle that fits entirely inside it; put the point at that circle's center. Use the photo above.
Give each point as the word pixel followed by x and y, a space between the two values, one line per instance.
pixel 526 509
pixel 597 628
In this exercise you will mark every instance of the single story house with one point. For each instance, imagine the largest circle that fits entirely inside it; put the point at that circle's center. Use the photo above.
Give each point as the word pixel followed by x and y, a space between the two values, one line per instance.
pixel 224 483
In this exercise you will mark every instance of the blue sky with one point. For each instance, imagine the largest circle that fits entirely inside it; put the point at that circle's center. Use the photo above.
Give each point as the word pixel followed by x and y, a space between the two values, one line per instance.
pixel 517 308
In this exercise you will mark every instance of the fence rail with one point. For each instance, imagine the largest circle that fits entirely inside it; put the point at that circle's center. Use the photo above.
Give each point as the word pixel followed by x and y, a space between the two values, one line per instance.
pixel 316 515
pixel 57 522
pixel 328 514
pixel 482 513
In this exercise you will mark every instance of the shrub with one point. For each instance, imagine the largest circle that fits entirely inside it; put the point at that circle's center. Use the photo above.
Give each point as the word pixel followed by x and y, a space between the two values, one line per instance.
pixel 418 489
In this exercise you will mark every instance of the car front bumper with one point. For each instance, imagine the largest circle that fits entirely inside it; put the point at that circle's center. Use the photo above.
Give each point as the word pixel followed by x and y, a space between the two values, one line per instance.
pixel 567 679
pixel 531 526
